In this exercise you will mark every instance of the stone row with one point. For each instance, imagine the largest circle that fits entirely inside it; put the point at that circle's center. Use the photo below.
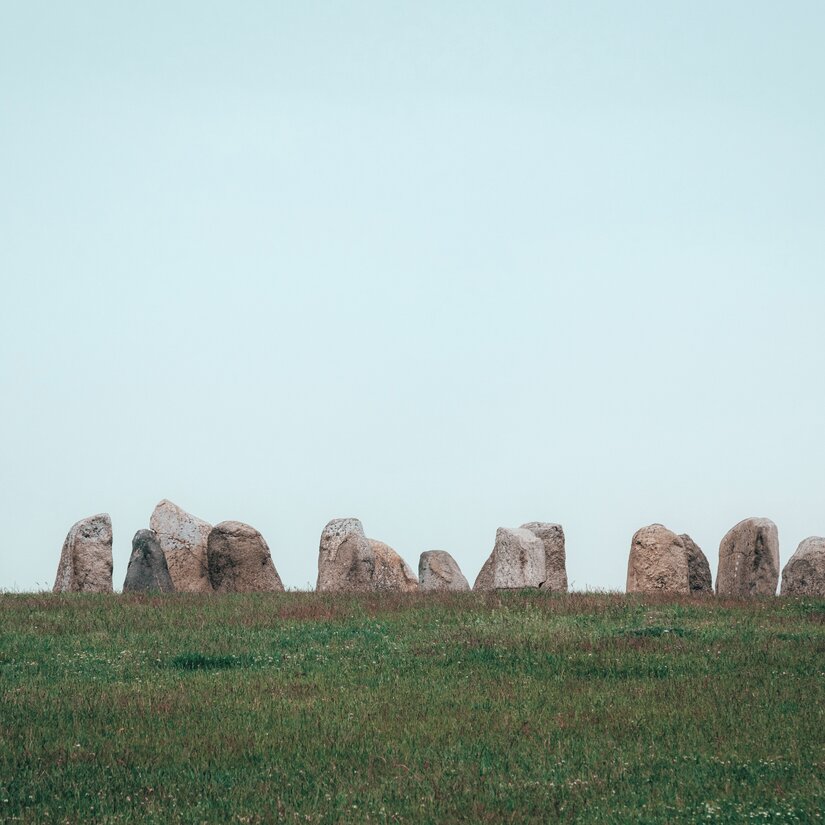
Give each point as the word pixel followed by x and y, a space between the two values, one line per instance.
pixel 182 553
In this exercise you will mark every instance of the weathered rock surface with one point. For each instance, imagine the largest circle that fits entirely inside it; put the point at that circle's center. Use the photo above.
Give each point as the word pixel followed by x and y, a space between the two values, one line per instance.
pixel 517 561
pixel 438 570
pixel 345 558
pixel 657 562
pixel 555 562
pixel 749 559
pixel 86 559
pixel 390 571
pixel 804 574
pixel 239 561
pixel 147 569
pixel 182 538
pixel 699 577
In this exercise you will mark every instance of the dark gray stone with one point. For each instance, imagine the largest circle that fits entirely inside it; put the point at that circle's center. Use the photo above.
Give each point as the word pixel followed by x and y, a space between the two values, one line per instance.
pixel 699 577
pixel 147 569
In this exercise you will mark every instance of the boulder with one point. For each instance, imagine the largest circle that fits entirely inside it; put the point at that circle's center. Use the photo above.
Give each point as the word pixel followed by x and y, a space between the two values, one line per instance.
pixel 86 559
pixel 555 563
pixel 804 574
pixel 345 558
pixel 390 571
pixel 699 577
pixel 239 561
pixel 182 538
pixel 657 562
pixel 147 569
pixel 749 559
pixel 438 570
pixel 517 561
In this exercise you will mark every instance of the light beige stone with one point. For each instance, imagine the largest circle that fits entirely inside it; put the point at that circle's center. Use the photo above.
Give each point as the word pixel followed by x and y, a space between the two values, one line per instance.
pixel 390 571
pixel 517 561
pixel 182 537
pixel 555 562
pixel 657 562
pixel 438 570
pixel 239 560
pixel 749 559
pixel 86 559
pixel 804 574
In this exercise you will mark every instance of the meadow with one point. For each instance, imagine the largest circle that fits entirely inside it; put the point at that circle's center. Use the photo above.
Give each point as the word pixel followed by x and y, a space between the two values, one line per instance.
pixel 503 707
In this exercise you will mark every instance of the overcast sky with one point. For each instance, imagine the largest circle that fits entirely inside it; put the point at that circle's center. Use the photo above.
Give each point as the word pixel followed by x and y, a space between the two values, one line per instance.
pixel 444 266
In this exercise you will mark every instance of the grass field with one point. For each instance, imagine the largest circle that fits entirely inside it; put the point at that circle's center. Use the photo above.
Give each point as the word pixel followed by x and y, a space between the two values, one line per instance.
pixel 516 707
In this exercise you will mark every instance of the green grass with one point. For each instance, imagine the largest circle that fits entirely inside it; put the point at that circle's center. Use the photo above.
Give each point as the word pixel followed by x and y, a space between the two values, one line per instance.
pixel 517 707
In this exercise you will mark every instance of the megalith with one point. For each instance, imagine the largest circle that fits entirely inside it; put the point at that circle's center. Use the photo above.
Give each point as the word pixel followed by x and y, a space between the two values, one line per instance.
pixel 804 574
pixel 86 559
pixel 438 570
pixel 749 559
pixel 555 562
pixel 183 538
pixel 147 571
pixel 239 561
pixel 517 561
pixel 657 562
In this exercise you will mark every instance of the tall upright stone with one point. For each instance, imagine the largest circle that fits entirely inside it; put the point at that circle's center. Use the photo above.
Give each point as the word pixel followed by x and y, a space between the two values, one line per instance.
pixel 147 571
pixel 183 538
pixel 699 577
pixel 345 558
pixel 517 561
pixel 555 561
pixel 804 574
pixel 438 570
pixel 657 562
pixel 749 559
pixel 239 560
pixel 86 559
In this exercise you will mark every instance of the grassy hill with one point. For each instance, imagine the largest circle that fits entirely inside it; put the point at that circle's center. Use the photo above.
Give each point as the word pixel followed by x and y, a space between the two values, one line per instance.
pixel 516 707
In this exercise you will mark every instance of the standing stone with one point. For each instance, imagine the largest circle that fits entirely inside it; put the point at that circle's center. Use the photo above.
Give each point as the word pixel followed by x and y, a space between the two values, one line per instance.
pixel 390 571
pixel 438 570
pixel 147 569
pixel 345 558
pixel 86 559
pixel 239 560
pixel 517 561
pixel 555 562
pixel 657 562
pixel 804 574
pixel 699 577
pixel 749 559
pixel 182 538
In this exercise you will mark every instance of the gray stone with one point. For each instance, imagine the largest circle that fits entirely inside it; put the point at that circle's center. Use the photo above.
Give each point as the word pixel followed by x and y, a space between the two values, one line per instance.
pixel 657 562
pixel 749 559
pixel 517 561
pixel 438 570
pixel 147 569
pixel 804 574
pixel 86 559
pixel 345 558
pixel 183 539
pixel 239 560
pixel 699 577
pixel 555 561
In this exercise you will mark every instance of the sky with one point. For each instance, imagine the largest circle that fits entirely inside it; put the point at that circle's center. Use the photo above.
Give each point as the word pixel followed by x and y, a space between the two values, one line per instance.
pixel 443 266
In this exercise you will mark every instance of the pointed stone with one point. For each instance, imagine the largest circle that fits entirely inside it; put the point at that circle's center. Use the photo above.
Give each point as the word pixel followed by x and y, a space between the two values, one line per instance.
pixel 390 571
pixel 657 562
pixel 239 560
pixel 699 577
pixel 804 574
pixel 86 559
pixel 147 571
pixel 182 538
pixel 438 570
pixel 555 562
pixel 749 559
pixel 517 561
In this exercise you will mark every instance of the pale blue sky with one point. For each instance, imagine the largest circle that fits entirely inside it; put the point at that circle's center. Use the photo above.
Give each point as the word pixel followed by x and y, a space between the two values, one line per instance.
pixel 442 266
